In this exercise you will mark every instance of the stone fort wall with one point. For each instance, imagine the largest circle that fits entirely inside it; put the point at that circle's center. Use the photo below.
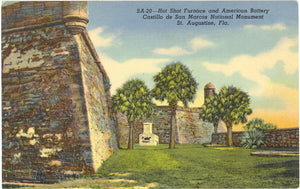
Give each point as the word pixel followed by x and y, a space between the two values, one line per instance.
pixel 274 138
pixel 56 107
pixel 190 129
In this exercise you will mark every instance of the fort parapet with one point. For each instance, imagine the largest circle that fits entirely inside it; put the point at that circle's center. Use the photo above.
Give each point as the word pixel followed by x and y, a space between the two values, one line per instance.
pixel 56 106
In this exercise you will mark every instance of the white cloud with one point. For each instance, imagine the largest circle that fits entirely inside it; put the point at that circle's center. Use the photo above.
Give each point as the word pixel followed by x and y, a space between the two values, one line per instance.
pixel 277 26
pixel 252 67
pixel 249 26
pixel 172 51
pixel 100 41
pixel 274 27
pixel 195 45
pixel 287 94
pixel 283 118
pixel 199 43
pixel 119 72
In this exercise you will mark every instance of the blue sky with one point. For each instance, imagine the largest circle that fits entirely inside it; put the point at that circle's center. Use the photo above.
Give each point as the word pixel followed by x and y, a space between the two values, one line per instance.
pixel 258 56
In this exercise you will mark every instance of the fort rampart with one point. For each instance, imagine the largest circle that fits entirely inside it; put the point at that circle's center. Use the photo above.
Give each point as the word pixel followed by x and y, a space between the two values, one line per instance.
pixel 56 106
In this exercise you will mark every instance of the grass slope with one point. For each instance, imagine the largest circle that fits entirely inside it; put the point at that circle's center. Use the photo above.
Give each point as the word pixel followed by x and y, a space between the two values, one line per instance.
pixel 189 166
pixel 194 166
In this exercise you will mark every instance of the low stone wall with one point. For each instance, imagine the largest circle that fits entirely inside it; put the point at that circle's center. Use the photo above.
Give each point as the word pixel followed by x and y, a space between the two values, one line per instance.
pixel 282 138
pixel 274 138
pixel 220 138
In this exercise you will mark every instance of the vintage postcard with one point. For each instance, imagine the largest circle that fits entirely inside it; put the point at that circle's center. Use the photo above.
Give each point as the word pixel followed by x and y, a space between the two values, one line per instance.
pixel 150 94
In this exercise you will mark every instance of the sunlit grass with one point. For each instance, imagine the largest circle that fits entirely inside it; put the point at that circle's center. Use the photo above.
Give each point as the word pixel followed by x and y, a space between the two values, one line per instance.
pixel 195 166
pixel 192 166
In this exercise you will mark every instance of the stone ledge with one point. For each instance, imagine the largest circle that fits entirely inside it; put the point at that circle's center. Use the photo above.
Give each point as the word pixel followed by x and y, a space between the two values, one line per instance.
pixel 276 153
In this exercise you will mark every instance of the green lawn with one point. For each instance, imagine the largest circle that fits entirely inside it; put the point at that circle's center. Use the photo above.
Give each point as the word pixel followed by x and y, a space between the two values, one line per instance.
pixel 195 166
pixel 191 166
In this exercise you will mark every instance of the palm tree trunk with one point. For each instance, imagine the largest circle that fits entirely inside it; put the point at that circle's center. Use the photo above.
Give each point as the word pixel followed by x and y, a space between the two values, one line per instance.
pixel 229 134
pixel 118 136
pixel 173 107
pixel 130 137
pixel 216 128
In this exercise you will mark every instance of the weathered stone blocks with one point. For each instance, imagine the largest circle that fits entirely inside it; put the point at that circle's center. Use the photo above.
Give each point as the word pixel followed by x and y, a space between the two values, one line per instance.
pixel 190 128
pixel 56 112
pixel 274 138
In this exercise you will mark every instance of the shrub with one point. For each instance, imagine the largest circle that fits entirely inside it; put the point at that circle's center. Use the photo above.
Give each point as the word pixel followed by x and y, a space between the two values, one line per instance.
pixel 259 124
pixel 253 138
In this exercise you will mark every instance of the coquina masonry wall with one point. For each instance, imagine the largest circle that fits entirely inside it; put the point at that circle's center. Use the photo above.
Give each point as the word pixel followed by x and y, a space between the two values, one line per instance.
pixel 56 109
pixel 274 138
pixel 190 129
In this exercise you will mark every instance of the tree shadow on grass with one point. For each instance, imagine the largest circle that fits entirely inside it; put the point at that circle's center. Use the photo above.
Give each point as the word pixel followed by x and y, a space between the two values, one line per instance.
pixel 291 168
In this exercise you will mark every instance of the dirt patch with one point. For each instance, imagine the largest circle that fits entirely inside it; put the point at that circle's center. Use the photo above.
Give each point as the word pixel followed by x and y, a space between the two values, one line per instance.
pixel 79 182
pixel 71 183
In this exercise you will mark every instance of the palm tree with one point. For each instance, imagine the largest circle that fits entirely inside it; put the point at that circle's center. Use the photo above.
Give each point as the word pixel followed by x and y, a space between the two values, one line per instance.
pixel 210 111
pixel 134 100
pixel 231 106
pixel 259 124
pixel 174 83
